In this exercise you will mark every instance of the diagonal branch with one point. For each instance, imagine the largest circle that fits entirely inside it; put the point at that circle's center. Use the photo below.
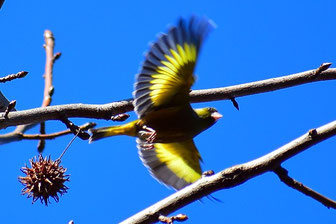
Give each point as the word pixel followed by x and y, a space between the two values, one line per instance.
pixel 283 176
pixel 105 111
pixel 262 86
pixel 233 176
pixel 13 76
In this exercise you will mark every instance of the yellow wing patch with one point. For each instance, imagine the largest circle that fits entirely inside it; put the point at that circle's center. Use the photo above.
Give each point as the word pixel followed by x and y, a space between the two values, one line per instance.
pixel 175 164
pixel 182 158
pixel 166 75
pixel 175 76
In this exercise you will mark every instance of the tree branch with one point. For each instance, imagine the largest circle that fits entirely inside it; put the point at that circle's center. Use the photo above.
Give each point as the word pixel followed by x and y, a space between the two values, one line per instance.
pixel 233 176
pixel 105 111
pixel 262 86
pixel 48 71
pixel 48 75
pixel 83 127
pixel 283 176
pixel 13 76
pixel 18 136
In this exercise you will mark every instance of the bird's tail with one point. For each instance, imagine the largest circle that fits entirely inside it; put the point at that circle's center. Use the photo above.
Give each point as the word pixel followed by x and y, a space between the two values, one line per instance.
pixel 129 129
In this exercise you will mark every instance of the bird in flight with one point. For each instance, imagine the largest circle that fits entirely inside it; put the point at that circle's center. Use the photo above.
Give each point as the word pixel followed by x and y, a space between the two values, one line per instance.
pixel 167 123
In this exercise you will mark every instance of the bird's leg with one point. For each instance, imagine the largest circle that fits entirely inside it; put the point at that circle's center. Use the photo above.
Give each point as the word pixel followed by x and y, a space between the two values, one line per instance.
pixel 148 133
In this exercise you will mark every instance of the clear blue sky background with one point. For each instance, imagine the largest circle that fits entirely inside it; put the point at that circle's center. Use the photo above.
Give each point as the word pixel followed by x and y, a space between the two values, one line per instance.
pixel 102 45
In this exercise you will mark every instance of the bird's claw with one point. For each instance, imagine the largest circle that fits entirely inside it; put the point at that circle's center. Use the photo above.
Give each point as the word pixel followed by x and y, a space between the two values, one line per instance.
pixel 151 138
pixel 149 134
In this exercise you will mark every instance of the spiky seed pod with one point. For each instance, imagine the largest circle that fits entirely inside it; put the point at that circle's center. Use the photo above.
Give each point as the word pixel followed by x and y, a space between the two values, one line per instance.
pixel 44 179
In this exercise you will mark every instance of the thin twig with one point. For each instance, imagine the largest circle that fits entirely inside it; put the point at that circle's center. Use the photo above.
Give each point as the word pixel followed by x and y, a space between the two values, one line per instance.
pixel 232 176
pixel 48 77
pixel 105 111
pixel 41 143
pixel 13 76
pixel 9 108
pixel 75 129
pixel 83 127
pixel 283 176
pixel 18 136
pixel 48 71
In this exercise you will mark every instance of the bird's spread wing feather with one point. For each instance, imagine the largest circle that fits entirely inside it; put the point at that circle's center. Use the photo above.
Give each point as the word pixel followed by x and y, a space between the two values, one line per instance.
pixel 175 164
pixel 167 72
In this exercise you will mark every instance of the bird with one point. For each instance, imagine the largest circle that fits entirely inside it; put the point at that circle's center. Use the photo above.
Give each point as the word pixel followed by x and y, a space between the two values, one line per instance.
pixel 167 124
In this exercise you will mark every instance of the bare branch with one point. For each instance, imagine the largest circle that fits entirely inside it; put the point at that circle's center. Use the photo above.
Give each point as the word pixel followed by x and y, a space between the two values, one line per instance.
pixel 48 71
pixel 75 129
pixel 106 111
pixel 13 76
pixel 18 136
pixel 41 143
pixel 70 110
pixel 48 75
pixel 83 127
pixel 9 108
pixel 283 176
pixel 232 176
pixel 262 86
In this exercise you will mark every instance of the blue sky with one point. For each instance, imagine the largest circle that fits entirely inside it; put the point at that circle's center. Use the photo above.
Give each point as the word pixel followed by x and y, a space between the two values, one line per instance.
pixel 102 45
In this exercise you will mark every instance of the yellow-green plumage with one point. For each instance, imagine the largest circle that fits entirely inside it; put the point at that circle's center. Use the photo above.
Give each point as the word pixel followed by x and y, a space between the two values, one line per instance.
pixel 129 129
pixel 161 101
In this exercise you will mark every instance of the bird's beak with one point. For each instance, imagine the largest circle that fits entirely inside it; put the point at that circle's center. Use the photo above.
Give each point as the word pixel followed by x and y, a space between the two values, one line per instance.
pixel 216 115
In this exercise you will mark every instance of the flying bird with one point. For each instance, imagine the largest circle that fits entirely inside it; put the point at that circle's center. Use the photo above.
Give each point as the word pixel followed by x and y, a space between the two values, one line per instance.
pixel 167 123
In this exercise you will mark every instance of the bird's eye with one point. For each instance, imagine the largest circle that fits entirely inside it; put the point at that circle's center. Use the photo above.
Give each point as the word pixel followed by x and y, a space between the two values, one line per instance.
pixel 211 109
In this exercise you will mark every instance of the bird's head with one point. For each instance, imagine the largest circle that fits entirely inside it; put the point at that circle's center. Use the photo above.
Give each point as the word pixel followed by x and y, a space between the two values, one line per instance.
pixel 208 113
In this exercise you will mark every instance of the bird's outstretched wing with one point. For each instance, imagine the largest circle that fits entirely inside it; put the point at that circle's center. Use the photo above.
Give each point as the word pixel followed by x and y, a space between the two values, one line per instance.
pixel 175 164
pixel 166 75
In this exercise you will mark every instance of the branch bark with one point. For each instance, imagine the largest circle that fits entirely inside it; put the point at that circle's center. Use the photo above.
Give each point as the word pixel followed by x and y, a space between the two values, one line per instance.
pixel 105 111
pixel 13 76
pixel 48 77
pixel 18 136
pixel 83 127
pixel 233 176
pixel 283 176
